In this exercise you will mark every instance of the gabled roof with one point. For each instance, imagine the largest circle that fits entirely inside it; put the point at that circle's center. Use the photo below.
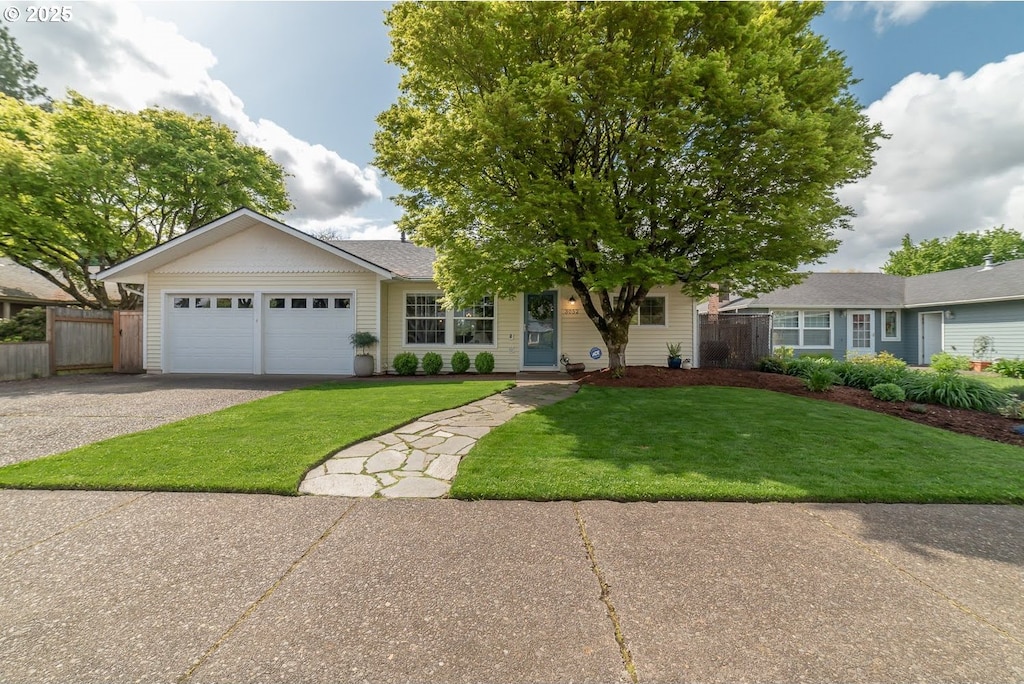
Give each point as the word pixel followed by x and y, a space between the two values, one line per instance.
pixel 204 236
pixel 974 284
pixel 404 259
pixel 826 290
pixel 20 284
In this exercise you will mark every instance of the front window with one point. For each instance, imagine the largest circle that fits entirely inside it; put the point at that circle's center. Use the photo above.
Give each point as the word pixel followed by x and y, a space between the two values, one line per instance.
pixel 891 326
pixel 802 329
pixel 475 324
pixel 651 312
pixel 424 319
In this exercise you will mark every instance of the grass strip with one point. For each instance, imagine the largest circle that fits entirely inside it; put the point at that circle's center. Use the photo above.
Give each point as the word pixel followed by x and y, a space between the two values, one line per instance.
pixel 264 446
pixel 731 444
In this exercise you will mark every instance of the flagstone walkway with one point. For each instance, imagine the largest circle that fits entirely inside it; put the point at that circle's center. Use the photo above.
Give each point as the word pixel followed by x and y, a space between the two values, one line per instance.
pixel 420 459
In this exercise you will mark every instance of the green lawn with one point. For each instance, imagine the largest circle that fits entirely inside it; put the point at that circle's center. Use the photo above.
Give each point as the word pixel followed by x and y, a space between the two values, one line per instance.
pixel 263 446
pixel 1012 385
pixel 724 443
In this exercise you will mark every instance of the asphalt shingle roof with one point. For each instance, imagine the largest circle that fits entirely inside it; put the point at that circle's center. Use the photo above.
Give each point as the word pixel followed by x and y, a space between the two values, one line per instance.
pixel 880 290
pixel 401 258
pixel 19 283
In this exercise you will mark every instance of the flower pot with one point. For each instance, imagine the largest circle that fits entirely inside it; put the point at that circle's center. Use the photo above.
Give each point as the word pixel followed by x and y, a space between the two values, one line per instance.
pixel 363 365
pixel 675 362
pixel 687 365
pixel 979 366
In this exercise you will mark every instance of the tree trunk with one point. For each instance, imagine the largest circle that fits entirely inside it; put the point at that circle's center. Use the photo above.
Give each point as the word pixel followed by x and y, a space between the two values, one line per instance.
pixel 615 337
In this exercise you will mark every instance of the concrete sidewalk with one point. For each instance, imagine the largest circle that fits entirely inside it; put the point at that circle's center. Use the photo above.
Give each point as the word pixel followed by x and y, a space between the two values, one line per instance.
pixel 229 588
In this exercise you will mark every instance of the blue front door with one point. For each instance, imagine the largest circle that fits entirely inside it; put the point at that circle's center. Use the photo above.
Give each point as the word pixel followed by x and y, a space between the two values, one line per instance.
pixel 540 337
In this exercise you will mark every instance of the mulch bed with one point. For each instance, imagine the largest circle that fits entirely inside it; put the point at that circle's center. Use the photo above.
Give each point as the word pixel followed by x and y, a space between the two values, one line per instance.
pixel 976 423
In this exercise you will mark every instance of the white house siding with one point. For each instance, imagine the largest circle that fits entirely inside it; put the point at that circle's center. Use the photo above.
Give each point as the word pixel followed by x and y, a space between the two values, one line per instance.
pixel 646 343
pixel 260 259
pixel 577 334
pixel 508 324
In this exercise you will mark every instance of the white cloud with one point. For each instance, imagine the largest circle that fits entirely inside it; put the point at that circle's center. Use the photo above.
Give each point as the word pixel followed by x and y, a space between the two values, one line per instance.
pixel 116 55
pixel 348 228
pixel 954 162
pixel 890 13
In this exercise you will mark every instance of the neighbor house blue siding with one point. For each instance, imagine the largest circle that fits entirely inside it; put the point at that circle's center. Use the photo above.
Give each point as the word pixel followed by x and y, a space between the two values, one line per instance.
pixel 905 348
pixel 1002 321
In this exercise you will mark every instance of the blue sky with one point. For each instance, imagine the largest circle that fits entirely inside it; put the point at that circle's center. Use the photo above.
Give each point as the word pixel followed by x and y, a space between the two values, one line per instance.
pixel 305 80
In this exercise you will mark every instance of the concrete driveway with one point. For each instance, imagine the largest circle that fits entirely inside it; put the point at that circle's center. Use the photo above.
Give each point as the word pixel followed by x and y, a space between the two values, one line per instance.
pixel 50 415
pixel 130 586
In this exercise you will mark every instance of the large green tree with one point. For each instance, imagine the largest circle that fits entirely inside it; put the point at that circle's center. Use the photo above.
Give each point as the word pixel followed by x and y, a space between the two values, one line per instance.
pixel 958 251
pixel 17 74
pixel 86 186
pixel 616 147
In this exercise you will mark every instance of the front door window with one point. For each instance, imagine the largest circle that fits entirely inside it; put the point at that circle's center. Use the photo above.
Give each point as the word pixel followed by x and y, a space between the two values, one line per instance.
pixel 862 337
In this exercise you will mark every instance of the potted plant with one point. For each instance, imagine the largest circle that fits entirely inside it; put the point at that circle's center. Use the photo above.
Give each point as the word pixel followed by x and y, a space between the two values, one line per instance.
pixel 984 345
pixel 687 365
pixel 364 360
pixel 675 354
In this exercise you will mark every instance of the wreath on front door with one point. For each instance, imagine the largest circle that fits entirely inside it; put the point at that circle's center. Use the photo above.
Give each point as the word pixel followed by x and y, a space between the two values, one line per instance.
pixel 542 309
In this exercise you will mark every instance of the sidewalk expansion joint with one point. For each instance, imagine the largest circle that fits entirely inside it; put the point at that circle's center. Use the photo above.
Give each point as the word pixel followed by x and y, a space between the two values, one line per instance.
pixel 963 608
pixel 606 598
pixel 190 672
pixel 77 525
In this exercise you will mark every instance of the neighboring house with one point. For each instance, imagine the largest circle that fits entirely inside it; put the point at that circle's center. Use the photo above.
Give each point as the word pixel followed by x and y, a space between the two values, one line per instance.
pixel 21 288
pixel 910 317
pixel 248 294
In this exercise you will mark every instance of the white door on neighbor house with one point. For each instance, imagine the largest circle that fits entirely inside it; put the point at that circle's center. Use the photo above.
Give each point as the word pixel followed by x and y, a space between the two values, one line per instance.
pixel 931 336
pixel 860 332
pixel 209 333
pixel 308 333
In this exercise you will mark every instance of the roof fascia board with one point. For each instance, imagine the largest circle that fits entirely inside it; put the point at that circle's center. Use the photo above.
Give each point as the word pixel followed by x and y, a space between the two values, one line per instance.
pixel 153 252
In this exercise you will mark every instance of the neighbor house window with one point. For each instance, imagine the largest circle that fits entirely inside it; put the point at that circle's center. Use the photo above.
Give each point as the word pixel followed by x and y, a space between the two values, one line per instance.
pixel 802 329
pixel 475 324
pixel 424 319
pixel 891 326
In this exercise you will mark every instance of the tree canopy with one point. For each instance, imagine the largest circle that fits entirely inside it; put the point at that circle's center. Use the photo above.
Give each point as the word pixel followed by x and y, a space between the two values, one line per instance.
pixel 17 74
pixel 958 251
pixel 615 147
pixel 85 186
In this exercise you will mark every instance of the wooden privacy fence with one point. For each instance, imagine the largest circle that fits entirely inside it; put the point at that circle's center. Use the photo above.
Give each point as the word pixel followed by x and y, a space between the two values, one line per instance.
pixel 734 340
pixel 21 360
pixel 77 340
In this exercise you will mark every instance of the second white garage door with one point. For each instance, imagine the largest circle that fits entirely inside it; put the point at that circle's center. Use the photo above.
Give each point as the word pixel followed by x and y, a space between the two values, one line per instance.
pixel 308 333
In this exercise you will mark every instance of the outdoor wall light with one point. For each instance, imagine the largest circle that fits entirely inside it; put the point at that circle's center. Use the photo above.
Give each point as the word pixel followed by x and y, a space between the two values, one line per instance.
pixel 572 299
pixel 950 315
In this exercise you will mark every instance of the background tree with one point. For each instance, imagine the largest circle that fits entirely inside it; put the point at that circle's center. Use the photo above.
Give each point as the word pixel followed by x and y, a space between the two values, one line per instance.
pixel 17 74
pixel 85 186
pixel 615 147
pixel 958 251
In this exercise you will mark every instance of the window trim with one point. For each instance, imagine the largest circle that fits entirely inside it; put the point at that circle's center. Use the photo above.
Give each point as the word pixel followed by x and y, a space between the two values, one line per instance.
pixel 449 325
pixel 664 313
pixel 899 326
pixel 801 328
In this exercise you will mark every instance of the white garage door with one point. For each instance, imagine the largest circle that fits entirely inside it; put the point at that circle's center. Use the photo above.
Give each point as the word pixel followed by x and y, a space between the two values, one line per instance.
pixel 209 333
pixel 308 333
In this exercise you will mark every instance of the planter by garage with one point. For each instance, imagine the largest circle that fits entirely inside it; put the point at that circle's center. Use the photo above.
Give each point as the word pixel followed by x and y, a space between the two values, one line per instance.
pixel 363 365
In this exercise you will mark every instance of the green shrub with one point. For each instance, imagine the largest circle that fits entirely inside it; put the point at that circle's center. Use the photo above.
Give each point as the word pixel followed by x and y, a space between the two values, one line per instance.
pixel 484 362
pixel 882 359
pixel 804 366
pixel 405 363
pixel 953 389
pixel 432 363
pixel 947 363
pixel 28 325
pixel 867 375
pixel 460 362
pixel 888 391
pixel 821 379
pixel 1013 408
pixel 819 356
pixel 1010 368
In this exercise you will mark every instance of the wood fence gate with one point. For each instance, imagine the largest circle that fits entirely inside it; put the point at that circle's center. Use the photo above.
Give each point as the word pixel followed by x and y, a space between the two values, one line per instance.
pixel 734 340
pixel 80 339
pixel 127 341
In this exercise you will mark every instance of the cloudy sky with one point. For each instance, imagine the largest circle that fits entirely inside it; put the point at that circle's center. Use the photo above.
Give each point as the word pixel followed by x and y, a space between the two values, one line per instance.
pixel 305 80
